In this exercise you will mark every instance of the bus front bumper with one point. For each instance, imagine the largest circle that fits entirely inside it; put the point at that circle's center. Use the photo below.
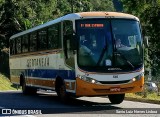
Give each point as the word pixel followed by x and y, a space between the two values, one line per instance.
pixel 84 88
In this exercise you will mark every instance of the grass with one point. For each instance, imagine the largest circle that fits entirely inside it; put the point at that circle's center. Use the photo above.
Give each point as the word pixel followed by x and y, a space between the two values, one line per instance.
pixel 150 96
pixel 5 84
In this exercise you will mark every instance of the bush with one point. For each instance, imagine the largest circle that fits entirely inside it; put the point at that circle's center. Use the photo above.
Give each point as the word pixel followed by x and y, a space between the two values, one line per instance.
pixel 4 62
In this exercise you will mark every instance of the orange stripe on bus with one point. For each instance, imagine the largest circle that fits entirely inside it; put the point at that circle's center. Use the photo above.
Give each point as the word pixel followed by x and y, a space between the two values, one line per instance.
pixel 48 83
pixel 73 86
pixel 67 85
pixel 70 85
pixel 15 79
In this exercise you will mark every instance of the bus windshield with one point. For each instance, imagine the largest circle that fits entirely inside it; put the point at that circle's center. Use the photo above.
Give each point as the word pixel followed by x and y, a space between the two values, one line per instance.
pixel 109 45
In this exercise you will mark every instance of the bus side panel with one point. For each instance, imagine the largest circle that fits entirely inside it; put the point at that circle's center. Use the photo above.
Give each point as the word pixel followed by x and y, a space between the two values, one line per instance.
pixel 67 74
pixel 41 70
pixel 15 70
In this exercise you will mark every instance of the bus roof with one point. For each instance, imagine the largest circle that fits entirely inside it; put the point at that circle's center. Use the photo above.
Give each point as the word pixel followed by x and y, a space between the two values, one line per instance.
pixel 74 16
pixel 106 14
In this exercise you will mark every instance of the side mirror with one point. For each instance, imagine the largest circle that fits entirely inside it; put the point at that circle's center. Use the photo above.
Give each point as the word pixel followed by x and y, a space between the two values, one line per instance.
pixel 146 41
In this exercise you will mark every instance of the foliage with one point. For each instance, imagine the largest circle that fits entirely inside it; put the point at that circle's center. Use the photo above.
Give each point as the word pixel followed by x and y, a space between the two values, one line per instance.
pixel 8 22
pixel 102 5
pixel 149 12
pixel 150 96
pixel 4 59
pixel 5 84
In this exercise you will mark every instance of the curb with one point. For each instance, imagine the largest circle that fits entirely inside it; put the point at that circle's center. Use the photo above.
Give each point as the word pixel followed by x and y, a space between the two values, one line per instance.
pixel 142 100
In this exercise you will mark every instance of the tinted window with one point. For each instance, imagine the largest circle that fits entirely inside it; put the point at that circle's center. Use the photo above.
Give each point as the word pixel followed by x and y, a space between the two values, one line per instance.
pixel 33 42
pixel 106 45
pixel 54 41
pixel 42 39
pixel 67 37
pixel 128 42
pixel 25 43
pixel 95 43
pixel 12 47
pixel 18 45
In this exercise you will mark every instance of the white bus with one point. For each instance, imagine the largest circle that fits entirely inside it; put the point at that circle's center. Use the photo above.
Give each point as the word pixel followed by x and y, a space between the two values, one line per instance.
pixel 80 54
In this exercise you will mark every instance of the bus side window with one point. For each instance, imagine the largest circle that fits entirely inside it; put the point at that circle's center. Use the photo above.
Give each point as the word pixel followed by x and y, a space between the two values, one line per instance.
pixel 33 41
pixel 42 39
pixel 12 47
pixel 54 41
pixel 18 45
pixel 67 36
pixel 25 43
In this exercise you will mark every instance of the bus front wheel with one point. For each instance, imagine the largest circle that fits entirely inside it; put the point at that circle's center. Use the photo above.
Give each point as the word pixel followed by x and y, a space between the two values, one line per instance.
pixel 116 98
pixel 62 93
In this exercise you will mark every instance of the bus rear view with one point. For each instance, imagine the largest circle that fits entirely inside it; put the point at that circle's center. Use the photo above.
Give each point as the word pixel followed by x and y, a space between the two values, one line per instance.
pixel 109 57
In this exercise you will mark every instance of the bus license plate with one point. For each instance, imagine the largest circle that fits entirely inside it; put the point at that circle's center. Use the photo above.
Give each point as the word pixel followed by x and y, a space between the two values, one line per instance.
pixel 115 89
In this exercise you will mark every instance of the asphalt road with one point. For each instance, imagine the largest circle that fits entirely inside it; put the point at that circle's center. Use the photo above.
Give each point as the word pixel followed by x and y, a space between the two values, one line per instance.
pixel 48 104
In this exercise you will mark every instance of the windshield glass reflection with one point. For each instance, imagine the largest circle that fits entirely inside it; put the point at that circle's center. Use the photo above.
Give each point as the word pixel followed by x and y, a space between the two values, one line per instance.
pixel 105 44
pixel 128 42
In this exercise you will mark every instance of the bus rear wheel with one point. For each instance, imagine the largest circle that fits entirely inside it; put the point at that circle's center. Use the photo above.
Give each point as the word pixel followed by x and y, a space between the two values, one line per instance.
pixel 116 98
pixel 28 90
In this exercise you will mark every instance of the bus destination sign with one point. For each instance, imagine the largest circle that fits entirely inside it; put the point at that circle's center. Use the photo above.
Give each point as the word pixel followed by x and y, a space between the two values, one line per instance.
pixel 91 25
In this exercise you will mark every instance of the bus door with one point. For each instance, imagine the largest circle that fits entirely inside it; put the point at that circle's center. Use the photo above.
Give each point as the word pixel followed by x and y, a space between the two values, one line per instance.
pixel 67 42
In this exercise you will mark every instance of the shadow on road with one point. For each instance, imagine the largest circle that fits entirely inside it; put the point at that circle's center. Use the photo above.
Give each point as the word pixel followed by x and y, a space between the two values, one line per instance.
pixel 50 104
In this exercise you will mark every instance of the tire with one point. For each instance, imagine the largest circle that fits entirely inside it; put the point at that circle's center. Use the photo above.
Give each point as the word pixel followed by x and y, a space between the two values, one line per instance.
pixel 61 92
pixel 116 98
pixel 28 90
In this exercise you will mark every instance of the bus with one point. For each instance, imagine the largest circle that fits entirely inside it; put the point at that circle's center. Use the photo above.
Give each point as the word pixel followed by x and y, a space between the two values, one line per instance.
pixel 80 54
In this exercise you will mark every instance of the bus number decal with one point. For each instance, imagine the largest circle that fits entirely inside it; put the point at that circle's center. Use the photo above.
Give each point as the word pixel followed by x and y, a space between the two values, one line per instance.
pixel 115 76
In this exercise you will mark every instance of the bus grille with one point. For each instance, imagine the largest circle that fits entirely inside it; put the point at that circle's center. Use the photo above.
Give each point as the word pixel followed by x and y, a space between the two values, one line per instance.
pixel 114 82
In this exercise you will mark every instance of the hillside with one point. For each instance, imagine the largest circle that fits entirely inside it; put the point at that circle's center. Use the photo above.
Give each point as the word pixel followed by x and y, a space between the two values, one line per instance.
pixel 5 84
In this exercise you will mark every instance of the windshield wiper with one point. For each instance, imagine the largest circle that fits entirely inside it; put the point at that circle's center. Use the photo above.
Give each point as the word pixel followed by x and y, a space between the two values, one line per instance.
pixel 124 58
pixel 102 54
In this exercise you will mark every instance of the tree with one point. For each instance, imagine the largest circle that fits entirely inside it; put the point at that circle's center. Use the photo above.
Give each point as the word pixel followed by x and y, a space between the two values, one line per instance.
pixel 9 25
pixel 102 5
pixel 149 12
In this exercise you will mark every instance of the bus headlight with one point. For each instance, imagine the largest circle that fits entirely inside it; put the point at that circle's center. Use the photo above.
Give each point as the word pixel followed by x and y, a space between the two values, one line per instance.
pixel 90 80
pixel 137 77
